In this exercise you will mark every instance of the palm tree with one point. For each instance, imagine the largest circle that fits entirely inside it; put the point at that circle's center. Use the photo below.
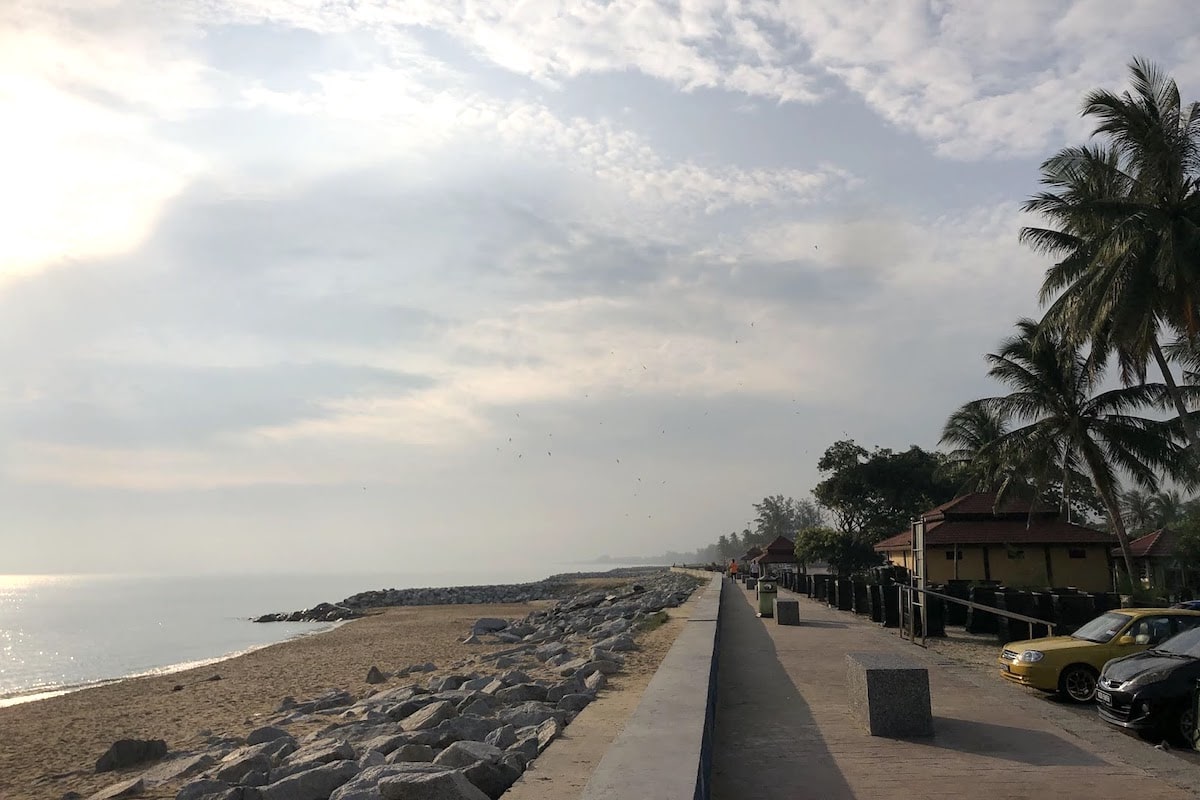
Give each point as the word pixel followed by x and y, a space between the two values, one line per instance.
pixel 1125 223
pixel 1167 508
pixel 1137 510
pixel 1064 426
pixel 969 431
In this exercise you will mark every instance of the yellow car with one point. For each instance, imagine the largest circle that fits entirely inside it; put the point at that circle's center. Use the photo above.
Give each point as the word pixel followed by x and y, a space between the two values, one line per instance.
pixel 1070 665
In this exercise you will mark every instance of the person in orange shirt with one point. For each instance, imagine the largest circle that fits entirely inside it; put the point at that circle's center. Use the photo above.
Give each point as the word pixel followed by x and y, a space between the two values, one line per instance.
pixel 733 568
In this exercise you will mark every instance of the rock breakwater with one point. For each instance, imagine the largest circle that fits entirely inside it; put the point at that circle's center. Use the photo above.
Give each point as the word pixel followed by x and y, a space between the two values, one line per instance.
pixel 462 731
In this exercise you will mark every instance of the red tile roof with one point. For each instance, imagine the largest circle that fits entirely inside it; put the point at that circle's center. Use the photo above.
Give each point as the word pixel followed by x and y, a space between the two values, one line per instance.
pixel 1158 544
pixel 782 544
pixel 999 531
pixel 977 503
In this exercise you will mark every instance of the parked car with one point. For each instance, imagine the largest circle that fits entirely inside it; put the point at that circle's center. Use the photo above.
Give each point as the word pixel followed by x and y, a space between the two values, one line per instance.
pixel 1071 664
pixel 1151 692
pixel 1191 605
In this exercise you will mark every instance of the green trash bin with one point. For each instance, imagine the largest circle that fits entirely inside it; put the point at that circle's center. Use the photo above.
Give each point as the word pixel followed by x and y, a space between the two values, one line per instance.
pixel 767 591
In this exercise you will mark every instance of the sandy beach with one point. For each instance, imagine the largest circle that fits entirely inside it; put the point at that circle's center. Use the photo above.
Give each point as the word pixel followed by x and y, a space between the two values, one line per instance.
pixel 50 747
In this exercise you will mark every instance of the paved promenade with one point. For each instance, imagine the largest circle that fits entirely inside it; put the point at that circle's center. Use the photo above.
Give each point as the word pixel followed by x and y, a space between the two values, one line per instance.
pixel 783 730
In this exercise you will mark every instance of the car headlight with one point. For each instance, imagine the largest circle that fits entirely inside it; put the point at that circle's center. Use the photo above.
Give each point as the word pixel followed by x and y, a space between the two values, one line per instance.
pixel 1032 656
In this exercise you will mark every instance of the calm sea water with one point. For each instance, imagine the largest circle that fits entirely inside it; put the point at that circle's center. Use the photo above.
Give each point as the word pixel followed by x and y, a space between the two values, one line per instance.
pixel 59 632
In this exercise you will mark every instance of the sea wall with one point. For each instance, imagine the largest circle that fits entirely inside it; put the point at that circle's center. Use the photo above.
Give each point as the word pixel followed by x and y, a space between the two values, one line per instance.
pixel 665 749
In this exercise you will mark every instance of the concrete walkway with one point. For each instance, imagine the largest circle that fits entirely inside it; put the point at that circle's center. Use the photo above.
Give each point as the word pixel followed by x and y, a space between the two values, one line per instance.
pixel 783 730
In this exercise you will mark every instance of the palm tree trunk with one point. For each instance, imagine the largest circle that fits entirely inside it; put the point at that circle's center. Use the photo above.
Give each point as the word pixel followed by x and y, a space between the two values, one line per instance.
pixel 1189 427
pixel 1107 496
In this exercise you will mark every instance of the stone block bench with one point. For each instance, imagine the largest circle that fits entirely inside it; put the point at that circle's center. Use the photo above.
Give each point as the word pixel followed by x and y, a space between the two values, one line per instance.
pixel 787 612
pixel 889 694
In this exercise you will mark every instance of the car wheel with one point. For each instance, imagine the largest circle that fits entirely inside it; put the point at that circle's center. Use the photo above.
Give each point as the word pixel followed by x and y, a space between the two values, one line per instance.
pixel 1185 721
pixel 1077 683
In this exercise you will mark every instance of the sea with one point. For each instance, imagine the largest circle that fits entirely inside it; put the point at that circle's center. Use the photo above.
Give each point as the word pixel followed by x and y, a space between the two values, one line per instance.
pixel 59 633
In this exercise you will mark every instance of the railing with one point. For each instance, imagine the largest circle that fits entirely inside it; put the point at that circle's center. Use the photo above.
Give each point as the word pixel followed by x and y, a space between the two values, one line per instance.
pixel 907 603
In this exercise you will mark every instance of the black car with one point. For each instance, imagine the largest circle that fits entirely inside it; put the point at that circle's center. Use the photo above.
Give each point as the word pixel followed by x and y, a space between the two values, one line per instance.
pixel 1151 692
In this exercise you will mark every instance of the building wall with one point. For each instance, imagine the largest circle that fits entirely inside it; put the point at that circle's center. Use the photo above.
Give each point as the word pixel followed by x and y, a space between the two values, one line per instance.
pixel 1090 573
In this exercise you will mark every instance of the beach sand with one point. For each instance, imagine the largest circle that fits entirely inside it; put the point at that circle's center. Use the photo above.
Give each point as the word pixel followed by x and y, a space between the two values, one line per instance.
pixel 50 747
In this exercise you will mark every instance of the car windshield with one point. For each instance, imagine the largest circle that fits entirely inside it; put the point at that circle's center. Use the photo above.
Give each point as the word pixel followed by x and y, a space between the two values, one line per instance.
pixel 1185 644
pixel 1103 628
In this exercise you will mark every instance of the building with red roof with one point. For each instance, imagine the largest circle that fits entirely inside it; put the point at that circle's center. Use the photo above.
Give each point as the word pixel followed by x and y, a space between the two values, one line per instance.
pixel 1018 543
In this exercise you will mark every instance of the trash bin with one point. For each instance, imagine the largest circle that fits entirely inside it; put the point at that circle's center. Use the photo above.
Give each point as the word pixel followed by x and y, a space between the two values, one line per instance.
pixel 767 591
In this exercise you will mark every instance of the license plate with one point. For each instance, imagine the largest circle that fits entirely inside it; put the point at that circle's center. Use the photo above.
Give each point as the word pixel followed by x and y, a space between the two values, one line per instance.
pixel 1104 697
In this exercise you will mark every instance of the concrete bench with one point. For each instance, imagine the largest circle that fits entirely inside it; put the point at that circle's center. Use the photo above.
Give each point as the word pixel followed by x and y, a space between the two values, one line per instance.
pixel 787 612
pixel 889 694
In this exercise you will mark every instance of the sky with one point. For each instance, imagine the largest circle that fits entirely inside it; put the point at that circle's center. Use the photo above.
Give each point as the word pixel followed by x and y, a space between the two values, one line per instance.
pixel 289 285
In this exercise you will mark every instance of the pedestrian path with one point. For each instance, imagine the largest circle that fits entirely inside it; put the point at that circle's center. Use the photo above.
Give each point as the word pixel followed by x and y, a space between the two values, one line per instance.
pixel 783 731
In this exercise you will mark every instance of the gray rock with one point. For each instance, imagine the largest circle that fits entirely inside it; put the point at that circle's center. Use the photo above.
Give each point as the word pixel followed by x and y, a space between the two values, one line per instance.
pixel 384 744
pixel 503 737
pixel 472 639
pixel 514 677
pixel 521 692
pixel 411 753
pixel 430 716
pixel 531 713
pixel 266 734
pixel 547 732
pixel 375 675
pixel 619 643
pixel 321 752
pixel 449 683
pixel 128 788
pixel 256 778
pixel 463 754
pixel 562 659
pixel 527 747
pixel 365 785
pixel 317 783
pixel 202 788
pixel 488 625
pixel 549 650
pixel 490 778
pixel 595 682
pixel 574 703
pixel 600 654
pixel 371 758
pixel 477 707
pixel 493 687
pixel 476 684
pixel 176 768
pixel 130 752
pixel 241 763
pixel 505 661
pixel 467 727
pixel 443 785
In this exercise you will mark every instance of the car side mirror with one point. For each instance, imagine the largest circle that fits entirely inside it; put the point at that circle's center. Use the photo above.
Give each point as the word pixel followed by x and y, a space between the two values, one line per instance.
pixel 1125 640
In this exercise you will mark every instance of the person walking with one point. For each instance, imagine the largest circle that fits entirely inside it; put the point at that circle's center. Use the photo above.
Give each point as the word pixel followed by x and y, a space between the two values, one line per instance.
pixel 733 569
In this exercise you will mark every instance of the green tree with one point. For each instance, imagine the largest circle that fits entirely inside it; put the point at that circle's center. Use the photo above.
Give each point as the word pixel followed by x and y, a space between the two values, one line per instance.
pixel 1124 222
pixel 1137 510
pixel 1167 507
pixel 846 553
pixel 974 430
pixel 783 516
pixel 873 495
pixel 1064 424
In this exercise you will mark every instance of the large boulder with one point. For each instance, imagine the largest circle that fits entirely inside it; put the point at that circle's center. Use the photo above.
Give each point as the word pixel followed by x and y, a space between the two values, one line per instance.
pixel 239 764
pixel 464 754
pixel 321 752
pixel 488 625
pixel 441 785
pixel 430 716
pixel 503 737
pixel 411 753
pixel 531 713
pixel 130 752
pixel 574 703
pixel 197 790
pixel 268 733
pixel 365 785
pixel 547 732
pixel 311 784
pixel 374 675
pixel 176 768
pixel 520 693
